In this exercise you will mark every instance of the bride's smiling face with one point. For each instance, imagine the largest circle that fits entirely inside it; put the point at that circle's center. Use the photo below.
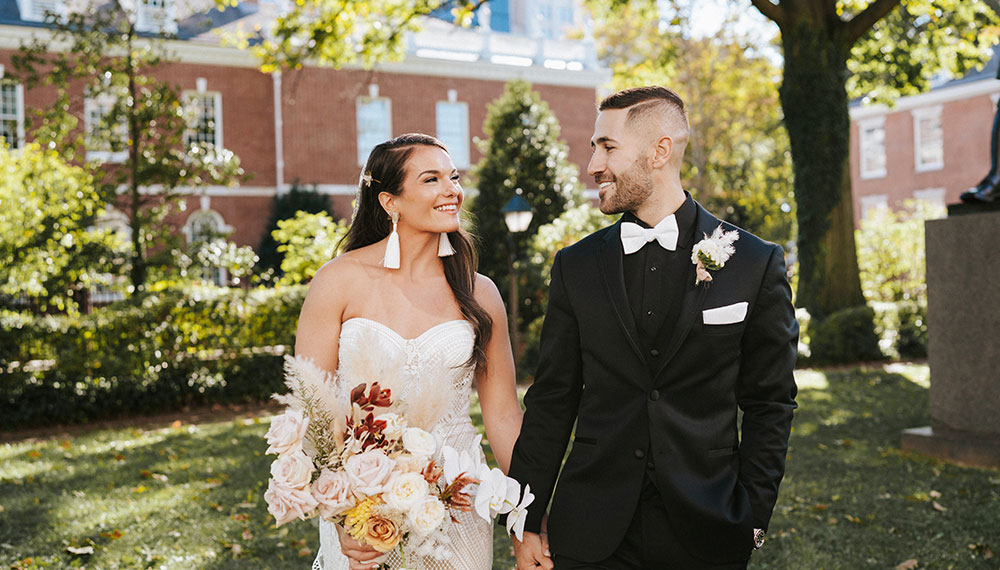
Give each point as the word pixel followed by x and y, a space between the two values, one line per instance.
pixel 431 196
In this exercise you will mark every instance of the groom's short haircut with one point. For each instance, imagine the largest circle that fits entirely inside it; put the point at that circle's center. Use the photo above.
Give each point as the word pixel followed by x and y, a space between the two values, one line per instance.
pixel 651 104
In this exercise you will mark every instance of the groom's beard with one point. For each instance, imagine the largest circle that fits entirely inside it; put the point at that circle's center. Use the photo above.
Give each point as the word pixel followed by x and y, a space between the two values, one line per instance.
pixel 632 188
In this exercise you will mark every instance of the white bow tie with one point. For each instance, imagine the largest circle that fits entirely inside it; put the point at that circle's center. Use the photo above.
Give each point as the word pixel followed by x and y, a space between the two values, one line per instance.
pixel 635 236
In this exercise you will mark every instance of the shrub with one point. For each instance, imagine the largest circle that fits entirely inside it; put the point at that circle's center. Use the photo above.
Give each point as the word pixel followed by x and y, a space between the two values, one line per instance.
pixel 845 336
pixel 158 350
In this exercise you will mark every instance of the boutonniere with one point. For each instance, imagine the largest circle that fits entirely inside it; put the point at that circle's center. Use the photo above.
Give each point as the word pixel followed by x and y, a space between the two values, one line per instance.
pixel 712 253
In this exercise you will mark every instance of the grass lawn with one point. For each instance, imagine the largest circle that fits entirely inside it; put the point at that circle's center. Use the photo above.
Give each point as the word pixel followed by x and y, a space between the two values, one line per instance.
pixel 191 496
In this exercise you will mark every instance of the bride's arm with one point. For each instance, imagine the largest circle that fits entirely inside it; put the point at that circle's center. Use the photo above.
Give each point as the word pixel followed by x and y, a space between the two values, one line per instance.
pixel 496 384
pixel 318 332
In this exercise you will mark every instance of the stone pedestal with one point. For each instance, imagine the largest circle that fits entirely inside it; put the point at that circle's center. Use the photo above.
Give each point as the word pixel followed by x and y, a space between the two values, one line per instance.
pixel 963 319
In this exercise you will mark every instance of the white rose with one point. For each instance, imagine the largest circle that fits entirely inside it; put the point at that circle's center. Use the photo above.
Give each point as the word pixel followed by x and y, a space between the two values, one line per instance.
pixel 288 503
pixel 426 516
pixel 286 432
pixel 419 442
pixel 368 472
pixel 292 470
pixel 405 491
pixel 394 425
pixel 332 490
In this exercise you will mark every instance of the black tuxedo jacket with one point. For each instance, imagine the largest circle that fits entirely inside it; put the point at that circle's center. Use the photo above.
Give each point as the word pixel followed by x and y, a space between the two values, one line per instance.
pixel 675 405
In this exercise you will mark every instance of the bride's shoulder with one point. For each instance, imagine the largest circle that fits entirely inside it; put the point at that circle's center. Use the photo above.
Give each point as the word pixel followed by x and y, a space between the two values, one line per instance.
pixel 343 272
pixel 488 296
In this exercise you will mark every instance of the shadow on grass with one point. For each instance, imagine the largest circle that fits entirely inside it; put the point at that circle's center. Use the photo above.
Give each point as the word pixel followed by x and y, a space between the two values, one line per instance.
pixel 852 499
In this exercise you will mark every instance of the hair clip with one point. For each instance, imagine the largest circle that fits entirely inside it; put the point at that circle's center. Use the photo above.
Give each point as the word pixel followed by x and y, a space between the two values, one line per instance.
pixel 367 179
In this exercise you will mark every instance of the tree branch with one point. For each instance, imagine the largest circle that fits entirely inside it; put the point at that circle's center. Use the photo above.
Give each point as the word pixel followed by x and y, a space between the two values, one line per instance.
pixel 773 12
pixel 860 24
pixel 994 5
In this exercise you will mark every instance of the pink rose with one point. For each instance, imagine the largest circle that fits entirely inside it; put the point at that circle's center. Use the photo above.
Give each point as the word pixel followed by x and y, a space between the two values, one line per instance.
pixel 293 470
pixel 368 472
pixel 332 490
pixel 286 433
pixel 288 503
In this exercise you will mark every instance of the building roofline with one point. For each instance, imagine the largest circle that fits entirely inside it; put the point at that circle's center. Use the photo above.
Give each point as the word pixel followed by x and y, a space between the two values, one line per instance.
pixel 944 94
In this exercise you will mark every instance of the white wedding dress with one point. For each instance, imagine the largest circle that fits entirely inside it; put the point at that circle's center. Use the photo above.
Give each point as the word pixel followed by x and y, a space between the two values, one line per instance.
pixel 437 355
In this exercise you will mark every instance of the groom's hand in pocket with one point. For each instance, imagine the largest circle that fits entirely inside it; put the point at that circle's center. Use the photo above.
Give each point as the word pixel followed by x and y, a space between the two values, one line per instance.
pixel 532 552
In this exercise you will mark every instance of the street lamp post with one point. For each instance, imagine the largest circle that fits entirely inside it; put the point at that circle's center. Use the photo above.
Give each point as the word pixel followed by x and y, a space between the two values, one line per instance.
pixel 517 215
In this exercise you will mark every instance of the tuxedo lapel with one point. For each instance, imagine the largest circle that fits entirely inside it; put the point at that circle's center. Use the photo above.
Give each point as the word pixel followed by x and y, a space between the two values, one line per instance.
pixel 693 298
pixel 613 277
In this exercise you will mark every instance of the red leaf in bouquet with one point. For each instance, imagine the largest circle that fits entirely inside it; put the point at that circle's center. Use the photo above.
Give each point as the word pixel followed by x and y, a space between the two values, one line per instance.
pixel 358 395
pixel 432 472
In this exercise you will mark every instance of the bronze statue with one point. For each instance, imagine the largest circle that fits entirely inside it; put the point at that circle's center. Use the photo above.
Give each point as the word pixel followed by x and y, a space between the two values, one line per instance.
pixel 988 189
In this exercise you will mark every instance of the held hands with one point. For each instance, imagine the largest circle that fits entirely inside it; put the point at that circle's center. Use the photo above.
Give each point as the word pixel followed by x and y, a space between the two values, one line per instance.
pixel 361 556
pixel 532 552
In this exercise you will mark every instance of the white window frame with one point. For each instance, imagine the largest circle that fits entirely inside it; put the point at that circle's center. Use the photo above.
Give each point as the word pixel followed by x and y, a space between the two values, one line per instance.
pixel 188 97
pixel 364 148
pixel 221 276
pixel 460 144
pixel 866 146
pixel 34 10
pixel 934 197
pixel 101 154
pixel 156 19
pixel 920 115
pixel 871 202
pixel 18 115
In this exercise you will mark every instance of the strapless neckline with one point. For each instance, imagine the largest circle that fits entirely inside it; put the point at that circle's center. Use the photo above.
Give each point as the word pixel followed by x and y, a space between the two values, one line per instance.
pixel 376 325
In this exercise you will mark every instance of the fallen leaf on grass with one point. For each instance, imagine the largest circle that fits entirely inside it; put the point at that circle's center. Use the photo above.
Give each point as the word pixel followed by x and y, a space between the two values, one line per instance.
pixel 80 550
pixel 34 454
pixel 114 535
pixel 65 444
pixel 305 552
pixel 934 494
pixel 938 507
pixel 247 535
pixel 241 517
pixel 908 565
pixel 237 550
pixel 176 424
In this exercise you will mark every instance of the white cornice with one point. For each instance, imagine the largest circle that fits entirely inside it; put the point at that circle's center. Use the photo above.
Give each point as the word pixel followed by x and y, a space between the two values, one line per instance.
pixel 200 52
pixel 936 97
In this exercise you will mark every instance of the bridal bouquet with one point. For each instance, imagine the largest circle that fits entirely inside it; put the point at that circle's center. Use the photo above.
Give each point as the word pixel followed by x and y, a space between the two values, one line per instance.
pixel 371 464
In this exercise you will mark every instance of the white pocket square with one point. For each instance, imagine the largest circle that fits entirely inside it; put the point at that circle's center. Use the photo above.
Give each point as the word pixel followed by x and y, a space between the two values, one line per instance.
pixel 727 315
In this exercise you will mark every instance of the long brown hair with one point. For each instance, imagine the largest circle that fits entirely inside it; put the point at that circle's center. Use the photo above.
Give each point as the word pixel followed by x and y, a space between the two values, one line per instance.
pixel 385 172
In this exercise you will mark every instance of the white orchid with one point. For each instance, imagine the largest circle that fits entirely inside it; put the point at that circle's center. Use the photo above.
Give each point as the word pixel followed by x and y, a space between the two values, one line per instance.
pixel 518 515
pixel 456 463
pixel 497 493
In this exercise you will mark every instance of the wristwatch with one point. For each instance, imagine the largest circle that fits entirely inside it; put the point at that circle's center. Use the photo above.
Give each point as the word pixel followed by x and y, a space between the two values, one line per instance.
pixel 758 538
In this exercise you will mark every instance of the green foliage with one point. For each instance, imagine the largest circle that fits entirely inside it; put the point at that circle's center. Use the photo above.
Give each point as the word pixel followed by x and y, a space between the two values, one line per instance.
pixel 307 241
pixel 905 50
pixel 737 162
pixel 522 155
pixel 50 248
pixel 158 350
pixel 892 259
pixel 141 122
pixel 283 207
pixel 844 337
pixel 342 32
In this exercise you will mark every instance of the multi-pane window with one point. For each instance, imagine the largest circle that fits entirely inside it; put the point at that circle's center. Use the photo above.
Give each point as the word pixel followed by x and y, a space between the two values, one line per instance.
pixel 872 203
pixel 12 113
pixel 36 10
pixel 872 148
pixel 453 131
pixel 202 227
pixel 156 16
pixel 105 138
pixel 204 112
pixel 928 139
pixel 374 125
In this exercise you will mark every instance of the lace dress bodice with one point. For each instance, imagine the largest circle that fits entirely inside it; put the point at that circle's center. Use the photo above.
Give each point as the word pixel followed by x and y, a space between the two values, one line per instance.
pixel 433 361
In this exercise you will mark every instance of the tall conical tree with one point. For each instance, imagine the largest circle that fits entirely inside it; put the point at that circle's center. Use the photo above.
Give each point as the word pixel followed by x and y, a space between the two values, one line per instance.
pixel 522 155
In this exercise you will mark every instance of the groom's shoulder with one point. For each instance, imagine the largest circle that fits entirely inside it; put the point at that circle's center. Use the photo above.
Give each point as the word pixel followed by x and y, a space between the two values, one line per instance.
pixel 748 241
pixel 588 244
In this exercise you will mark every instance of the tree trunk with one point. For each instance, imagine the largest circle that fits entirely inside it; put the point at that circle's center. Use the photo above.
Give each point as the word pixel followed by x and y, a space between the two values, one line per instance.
pixel 814 100
pixel 138 269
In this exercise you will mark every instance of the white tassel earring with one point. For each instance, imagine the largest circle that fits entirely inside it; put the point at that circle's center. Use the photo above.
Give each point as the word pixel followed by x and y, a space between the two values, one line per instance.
pixel 444 246
pixel 391 259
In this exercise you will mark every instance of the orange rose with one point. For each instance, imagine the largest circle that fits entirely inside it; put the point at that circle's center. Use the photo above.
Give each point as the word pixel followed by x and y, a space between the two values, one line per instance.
pixel 381 533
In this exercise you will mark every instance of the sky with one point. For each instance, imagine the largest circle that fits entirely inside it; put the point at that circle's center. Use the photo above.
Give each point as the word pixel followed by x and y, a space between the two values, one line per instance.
pixel 708 16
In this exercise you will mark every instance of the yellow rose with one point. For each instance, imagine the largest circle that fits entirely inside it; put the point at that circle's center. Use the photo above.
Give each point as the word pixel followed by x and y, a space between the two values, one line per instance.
pixel 382 534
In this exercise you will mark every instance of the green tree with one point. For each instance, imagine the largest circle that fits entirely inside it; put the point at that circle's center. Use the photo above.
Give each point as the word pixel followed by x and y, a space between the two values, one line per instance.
pixel 737 161
pixel 881 48
pixel 307 241
pixel 50 248
pixel 139 118
pixel 283 207
pixel 522 154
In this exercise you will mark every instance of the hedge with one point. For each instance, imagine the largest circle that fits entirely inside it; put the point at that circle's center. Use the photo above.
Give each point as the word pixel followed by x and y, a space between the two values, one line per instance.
pixel 156 351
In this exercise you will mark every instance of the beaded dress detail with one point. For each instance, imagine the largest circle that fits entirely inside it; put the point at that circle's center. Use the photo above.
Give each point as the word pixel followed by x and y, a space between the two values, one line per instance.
pixel 434 362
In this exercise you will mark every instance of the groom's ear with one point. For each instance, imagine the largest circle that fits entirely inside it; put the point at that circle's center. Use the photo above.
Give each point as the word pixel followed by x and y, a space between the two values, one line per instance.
pixel 663 150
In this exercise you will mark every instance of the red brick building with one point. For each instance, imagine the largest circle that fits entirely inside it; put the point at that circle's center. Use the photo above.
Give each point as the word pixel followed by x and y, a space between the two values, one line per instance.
pixel 930 147
pixel 315 126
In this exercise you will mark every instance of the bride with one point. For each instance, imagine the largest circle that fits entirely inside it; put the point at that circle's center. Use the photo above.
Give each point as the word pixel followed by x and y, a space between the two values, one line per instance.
pixel 406 287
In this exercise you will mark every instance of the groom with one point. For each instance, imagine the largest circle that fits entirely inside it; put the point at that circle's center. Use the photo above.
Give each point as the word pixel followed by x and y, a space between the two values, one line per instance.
pixel 651 356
